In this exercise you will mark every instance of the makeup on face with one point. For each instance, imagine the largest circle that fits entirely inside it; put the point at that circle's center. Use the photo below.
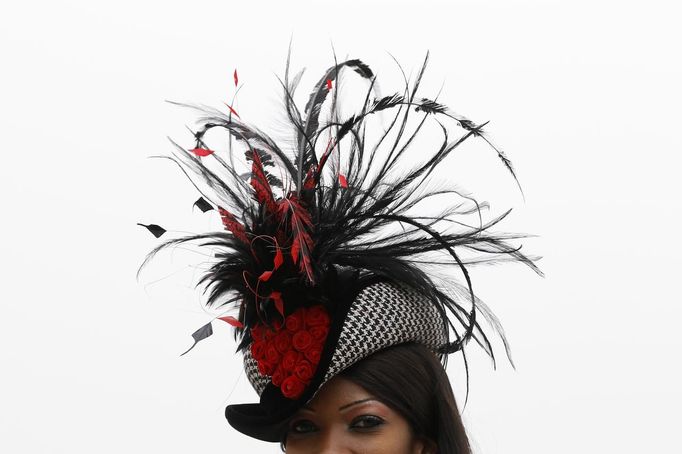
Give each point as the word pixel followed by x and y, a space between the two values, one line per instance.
pixel 343 416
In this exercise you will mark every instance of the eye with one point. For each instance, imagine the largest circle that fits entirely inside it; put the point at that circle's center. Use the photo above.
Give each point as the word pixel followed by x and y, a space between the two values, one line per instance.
pixel 366 422
pixel 302 426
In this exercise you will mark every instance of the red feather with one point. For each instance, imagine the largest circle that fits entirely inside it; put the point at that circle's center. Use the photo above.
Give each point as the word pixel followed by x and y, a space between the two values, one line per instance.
pixel 279 258
pixel 265 276
pixel 231 224
pixel 233 111
pixel 309 182
pixel 236 78
pixel 279 302
pixel 302 243
pixel 314 178
pixel 232 321
pixel 343 181
pixel 325 155
pixel 202 152
pixel 295 248
pixel 260 184
pixel 329 84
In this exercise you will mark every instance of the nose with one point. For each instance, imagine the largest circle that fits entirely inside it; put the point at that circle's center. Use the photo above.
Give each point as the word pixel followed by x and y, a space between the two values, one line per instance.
pixel 332 442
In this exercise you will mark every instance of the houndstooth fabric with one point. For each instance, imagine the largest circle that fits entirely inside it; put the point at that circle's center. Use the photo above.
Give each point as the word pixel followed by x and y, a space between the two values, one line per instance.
pixel 258 381
pixel 382 315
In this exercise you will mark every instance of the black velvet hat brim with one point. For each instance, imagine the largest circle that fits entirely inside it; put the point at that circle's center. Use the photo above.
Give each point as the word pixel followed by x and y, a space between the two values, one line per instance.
pixel 252 420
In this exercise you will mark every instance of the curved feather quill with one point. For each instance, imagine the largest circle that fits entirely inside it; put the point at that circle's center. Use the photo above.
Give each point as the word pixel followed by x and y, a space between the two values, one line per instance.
pixel 358 206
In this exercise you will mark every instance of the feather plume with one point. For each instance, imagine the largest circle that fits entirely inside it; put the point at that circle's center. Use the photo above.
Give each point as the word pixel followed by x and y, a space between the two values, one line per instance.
pixel 295 219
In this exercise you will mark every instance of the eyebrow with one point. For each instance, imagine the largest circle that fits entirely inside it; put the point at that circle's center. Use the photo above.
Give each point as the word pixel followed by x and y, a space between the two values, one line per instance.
pixel 343 407
pixel 357 402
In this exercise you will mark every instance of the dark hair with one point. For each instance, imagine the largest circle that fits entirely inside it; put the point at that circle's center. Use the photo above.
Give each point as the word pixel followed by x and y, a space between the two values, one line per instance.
pixel 410 379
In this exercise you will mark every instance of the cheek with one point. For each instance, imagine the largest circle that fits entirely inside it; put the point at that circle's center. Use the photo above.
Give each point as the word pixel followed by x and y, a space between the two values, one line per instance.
pixel 389 441
pixel 395 438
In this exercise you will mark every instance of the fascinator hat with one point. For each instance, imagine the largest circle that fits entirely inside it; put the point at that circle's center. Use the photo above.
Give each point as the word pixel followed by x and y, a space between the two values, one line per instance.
pixel 324 253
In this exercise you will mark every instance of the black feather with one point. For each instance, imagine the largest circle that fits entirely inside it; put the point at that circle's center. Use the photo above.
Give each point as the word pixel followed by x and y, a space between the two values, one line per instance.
pixel 387 102
pixel 203 205
pixel 376 225
pixel 432 107
pixel 154 229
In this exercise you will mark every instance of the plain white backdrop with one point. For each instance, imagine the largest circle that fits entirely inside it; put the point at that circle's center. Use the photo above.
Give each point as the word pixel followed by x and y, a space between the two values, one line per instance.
pixel 584 96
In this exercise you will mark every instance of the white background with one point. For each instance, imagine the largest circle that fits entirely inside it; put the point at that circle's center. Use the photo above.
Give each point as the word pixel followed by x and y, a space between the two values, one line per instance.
pixel 584 97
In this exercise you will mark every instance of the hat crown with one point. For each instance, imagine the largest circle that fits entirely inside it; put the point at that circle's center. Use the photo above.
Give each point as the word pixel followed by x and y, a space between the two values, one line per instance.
pixel 381 315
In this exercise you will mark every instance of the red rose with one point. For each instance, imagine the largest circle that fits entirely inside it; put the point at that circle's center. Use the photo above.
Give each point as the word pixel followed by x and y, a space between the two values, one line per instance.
pixel 265 368
pixel 302 340
pixel 292 387
pixel 271 354
pixel 294 322
pixel 268 334
pixel 304 370
pixel 313 354
pixel 316 316
pixel 289 360
pixel 319 333
pixel 276 326
pixel 283 341
pixel 258 350
pixel 278 376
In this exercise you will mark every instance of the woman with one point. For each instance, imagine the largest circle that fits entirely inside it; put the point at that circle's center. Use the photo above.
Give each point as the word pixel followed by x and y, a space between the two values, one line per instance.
pixel 329 262
pixel 379 405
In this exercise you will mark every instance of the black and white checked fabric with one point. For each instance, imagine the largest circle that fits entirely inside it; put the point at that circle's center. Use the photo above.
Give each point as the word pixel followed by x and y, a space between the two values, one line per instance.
pixel 382 315
pixel 258 381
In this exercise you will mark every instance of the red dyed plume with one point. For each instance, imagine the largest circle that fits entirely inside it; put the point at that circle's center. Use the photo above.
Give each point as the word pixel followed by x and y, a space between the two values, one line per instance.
pixel 259 182
pixel 342 181
pixel 302 243
pixel 231 224
pixel 202 152
pixel 236 78
pixel 309 182
pixel 277 262
pixel 313 178
pixel 279 258
pixel 234 112
pixel 279 302
pixel 232 321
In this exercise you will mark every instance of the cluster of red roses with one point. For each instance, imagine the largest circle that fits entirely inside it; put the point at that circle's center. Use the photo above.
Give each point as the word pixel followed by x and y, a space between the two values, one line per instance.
pixel 289 352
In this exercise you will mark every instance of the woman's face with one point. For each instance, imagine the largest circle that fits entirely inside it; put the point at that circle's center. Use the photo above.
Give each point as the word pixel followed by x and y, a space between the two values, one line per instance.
pixel 344 418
